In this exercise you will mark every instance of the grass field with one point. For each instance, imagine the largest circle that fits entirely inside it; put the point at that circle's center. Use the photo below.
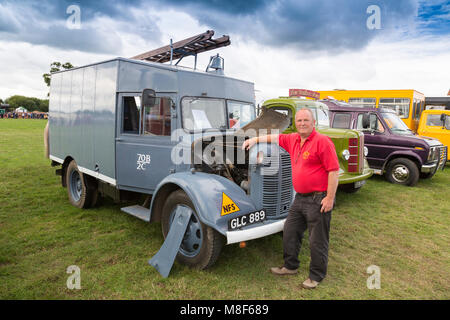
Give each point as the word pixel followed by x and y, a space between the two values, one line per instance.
pixel 404 231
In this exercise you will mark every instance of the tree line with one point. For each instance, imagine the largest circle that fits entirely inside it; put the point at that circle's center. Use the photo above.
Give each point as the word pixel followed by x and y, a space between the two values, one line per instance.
pixel 29 103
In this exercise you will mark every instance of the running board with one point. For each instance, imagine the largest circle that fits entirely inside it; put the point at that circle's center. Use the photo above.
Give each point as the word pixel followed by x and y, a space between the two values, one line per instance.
pixel 138 211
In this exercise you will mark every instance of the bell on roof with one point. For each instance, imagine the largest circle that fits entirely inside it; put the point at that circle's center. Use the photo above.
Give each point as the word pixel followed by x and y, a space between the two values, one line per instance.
pixel 216 62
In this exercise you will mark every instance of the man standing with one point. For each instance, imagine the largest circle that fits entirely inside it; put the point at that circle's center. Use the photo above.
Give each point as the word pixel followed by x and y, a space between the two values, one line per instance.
pixel 315 171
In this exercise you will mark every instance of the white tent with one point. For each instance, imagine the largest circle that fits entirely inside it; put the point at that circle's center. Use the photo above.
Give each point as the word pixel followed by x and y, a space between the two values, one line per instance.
pixel 21 109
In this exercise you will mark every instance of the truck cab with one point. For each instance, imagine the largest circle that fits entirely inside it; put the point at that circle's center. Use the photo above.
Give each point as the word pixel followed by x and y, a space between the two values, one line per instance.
pixel 436 124
pixel 393 149
pixel 349 144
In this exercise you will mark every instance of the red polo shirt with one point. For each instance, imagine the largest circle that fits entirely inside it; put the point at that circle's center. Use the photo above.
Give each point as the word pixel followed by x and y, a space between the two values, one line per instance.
pixel 311 162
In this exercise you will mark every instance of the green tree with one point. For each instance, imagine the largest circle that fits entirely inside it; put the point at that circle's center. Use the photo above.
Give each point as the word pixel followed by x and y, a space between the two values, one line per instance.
pixel 29 103
pixel 55 67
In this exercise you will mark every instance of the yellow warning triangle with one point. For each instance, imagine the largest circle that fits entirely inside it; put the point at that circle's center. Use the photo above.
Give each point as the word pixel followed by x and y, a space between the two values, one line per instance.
pixel 228 205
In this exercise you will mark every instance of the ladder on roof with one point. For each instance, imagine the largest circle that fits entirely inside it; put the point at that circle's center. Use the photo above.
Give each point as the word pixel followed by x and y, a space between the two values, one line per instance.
pixel 187 47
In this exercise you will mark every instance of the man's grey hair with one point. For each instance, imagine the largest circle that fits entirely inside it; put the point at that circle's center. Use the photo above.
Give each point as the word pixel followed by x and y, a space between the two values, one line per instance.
pixel 309 110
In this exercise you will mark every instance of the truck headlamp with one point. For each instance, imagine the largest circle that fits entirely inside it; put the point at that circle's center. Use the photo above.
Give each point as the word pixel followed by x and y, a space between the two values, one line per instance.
pixel 366 151
pixel 346 154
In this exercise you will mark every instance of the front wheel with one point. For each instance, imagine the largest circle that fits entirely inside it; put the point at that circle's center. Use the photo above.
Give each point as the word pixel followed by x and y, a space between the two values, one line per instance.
pixel 402 171
pixel 201 245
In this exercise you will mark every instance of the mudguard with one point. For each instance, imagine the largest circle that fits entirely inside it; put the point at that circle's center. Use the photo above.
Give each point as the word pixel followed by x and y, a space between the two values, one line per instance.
pixel 208 192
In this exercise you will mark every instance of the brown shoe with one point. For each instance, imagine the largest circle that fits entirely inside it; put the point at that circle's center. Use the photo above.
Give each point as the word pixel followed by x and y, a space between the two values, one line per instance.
pixel 282 271
pixel 310 284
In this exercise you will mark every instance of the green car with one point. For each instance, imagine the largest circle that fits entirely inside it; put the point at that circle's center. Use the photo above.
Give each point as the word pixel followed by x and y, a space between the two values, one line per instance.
pixel 349 144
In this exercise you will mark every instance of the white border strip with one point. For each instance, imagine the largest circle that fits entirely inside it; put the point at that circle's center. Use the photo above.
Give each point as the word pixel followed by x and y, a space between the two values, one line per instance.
pixel 89 172
pixel 98 175
pixel 56 159
pixel 254 233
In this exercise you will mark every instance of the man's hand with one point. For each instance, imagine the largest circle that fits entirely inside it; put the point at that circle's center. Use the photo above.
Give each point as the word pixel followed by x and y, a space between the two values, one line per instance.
pixel 249 143
pixel 327 204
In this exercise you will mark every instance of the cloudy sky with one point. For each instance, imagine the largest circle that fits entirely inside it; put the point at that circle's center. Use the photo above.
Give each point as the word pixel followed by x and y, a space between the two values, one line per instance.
pixel 277 44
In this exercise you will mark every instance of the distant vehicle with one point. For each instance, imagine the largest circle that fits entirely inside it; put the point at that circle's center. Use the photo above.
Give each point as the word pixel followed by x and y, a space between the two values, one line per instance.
pixel 408 104
pixel 436 124
pixel 393 149
pixel 353 167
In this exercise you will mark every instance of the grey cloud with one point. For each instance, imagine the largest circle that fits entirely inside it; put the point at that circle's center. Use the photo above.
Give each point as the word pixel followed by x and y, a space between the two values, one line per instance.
pixel 44 23
pixel 306 25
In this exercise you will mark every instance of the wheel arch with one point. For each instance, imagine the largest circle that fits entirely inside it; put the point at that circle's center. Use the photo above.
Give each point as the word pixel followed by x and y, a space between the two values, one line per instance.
pixel 65 164
pixel 411 156
pixel 205 191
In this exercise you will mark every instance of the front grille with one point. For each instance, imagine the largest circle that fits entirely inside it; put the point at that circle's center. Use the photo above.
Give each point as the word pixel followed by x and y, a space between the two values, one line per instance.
pixel 361 153
pixel 353 161
pixel 272 186
pixel 442 156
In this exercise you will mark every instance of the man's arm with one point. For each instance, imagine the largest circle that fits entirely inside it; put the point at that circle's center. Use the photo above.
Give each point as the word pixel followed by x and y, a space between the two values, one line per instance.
pixel 271 138
pixel 328 201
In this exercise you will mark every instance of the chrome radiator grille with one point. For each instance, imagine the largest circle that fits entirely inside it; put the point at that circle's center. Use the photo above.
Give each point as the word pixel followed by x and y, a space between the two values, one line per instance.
pixel 277 185
pixel 442 156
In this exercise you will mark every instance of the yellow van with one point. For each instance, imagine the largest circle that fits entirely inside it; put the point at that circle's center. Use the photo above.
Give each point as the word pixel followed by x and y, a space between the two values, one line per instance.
pixel 407 103
pixel 436 124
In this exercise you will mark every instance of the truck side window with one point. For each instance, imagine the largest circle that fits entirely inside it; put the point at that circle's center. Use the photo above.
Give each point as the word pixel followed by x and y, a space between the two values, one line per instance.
pixel 342 120
pixel 131 106
pixel 375 123
pixel 157 118
pixel 434 120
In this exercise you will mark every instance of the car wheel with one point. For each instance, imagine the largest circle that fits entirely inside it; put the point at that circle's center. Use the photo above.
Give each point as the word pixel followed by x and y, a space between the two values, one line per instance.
pixel 201 244
pixel 402 171
pixel 81 189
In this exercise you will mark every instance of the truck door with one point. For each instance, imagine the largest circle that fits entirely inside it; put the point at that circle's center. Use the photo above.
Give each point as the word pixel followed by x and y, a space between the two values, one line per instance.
pixel 143 143
pixel 375 139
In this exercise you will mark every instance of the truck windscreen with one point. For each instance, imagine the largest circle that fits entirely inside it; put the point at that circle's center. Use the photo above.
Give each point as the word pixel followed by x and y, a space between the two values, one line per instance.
pixel 203 113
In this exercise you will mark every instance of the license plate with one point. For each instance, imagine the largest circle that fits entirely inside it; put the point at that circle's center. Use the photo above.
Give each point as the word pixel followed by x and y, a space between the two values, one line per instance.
pixel 359 183
pixel 246 220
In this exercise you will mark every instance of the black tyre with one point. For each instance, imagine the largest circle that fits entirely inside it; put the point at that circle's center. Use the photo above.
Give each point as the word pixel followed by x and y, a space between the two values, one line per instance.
pixel 402 171
pixel 81 189
pixel 201 244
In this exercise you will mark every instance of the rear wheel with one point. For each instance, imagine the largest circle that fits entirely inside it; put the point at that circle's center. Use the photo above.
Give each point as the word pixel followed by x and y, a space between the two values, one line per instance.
pixel 402 171
pixel 81 189
pixel 201 245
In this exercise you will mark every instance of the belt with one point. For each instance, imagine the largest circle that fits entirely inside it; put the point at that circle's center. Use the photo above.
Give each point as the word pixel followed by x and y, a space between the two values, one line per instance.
pixel 323 193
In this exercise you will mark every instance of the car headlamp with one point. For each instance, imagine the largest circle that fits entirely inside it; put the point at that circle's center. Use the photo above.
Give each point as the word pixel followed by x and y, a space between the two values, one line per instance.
pixel 346 154
pixel 366 151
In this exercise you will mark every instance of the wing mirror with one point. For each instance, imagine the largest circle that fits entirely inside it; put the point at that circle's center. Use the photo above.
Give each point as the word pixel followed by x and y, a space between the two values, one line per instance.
pixel 148 98
pixel 365 121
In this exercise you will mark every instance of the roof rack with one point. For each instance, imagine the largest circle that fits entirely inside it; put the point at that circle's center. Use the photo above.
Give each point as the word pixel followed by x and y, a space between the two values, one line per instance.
pixel 187 47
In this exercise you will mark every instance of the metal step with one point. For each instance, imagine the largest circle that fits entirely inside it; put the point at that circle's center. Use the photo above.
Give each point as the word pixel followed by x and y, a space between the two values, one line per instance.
pixel 138 211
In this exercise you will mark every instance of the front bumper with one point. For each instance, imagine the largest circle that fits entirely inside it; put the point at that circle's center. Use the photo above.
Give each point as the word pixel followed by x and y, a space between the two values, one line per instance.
pixel 426 168
pixel 268 227
pixel 345 178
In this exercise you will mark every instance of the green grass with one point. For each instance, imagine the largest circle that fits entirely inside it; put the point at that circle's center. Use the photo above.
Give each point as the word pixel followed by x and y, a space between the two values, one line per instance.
pixel 404 231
